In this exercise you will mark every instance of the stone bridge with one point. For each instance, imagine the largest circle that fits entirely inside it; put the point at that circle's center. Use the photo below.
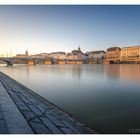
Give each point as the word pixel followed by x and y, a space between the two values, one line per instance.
pixel 34 61
pixel 27 60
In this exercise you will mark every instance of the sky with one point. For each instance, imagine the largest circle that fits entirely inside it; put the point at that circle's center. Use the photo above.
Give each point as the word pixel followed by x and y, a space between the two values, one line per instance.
pixel 51 28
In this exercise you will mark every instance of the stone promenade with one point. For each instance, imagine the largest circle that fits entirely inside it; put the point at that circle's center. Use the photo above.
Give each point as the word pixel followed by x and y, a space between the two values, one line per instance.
pixel 22 111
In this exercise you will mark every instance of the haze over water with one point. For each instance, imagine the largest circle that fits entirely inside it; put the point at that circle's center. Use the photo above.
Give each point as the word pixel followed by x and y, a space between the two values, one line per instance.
pixel 105 97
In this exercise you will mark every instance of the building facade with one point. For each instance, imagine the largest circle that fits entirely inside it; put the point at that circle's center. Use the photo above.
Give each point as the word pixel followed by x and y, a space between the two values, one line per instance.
pixel 99 55
pixel 96 56
pixel 113 54
pixel 77 54
pixel 130 54
pixel 22 55
pixel 57 55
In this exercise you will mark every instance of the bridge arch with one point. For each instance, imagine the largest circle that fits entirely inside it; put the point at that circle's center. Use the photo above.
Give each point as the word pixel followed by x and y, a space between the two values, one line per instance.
pixel 9 61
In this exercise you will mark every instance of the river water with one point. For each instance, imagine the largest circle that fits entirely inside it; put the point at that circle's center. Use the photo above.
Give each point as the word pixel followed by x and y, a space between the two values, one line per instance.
pixel 105 97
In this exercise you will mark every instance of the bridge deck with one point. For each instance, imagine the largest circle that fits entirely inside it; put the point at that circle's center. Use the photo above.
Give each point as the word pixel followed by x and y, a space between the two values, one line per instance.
pixel 23 111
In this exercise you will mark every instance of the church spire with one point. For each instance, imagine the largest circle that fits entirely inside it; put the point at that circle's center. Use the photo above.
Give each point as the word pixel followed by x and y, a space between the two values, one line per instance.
pixel 79 49
pixel 26 52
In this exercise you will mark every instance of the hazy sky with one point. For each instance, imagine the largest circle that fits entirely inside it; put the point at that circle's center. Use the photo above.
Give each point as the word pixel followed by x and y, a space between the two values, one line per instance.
pixel 63 28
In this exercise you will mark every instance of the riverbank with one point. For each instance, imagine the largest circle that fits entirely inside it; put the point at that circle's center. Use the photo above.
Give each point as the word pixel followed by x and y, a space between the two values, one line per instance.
pixel 22 111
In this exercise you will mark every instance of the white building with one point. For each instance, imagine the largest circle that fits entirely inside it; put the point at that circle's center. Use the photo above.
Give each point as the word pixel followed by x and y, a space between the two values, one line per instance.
pixel 77 54
pixel 57 55
pixel 96 55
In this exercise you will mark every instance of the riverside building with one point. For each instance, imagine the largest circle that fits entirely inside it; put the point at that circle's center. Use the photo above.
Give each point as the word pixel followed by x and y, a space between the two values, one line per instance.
pixel 113 55
pixel 130 54
pixel 22 55
pixel 96 56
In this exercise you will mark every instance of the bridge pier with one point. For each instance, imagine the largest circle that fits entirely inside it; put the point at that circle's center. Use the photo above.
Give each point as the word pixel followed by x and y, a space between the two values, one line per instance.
pixel 10 62
pixel 35 63
pixel 32 62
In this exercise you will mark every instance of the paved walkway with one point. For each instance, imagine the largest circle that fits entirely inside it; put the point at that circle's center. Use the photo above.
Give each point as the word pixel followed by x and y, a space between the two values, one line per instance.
pixel 22 111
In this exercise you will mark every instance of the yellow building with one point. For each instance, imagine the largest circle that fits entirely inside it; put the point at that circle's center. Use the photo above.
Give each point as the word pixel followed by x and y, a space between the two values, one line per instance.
pixel 130 54
pixel 113 54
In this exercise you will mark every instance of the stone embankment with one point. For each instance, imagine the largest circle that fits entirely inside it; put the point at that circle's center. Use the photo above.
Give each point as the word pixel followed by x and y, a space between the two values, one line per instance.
pixel 22 111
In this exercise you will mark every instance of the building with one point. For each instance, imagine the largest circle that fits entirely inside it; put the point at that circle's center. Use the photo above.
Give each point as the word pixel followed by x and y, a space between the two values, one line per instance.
pixel 71 56
pixel 130 54
pixel 78 51
pixel 113 54
pixel 96 56
pixel 90 55
pixel 22 55
pixel 77 54
pixel 57 55
pixel 40 55
pixel 26 52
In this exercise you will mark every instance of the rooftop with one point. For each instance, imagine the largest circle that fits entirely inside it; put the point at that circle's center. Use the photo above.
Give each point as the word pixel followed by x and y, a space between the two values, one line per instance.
pixel 113 49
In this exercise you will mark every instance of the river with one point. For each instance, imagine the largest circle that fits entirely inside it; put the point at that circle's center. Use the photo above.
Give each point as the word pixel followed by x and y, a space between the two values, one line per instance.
pixel 105 97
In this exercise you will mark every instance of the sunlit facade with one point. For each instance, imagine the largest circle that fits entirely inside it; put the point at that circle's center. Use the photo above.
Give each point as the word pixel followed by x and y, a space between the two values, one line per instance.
pixel 129 54
pixel 22 55
pixel 113 54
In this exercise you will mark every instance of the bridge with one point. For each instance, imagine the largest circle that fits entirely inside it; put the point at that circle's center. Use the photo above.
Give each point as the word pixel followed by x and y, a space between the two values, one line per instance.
pixel 25 60
pixel 35 60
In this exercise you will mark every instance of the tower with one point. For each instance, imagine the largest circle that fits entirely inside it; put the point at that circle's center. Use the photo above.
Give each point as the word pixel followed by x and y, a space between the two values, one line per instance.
pixel 79 49
pixel 26 52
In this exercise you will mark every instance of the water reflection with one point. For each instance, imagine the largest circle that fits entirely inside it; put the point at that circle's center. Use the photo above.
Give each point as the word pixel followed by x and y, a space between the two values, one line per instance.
pixel 103 96
pixel 112 71
pixel 123 72
pixel 130 72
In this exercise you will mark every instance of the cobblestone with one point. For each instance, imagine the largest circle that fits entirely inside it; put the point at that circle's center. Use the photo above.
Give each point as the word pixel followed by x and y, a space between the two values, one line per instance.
pixel 56 121
pixel 41 108
pixel 71 127
pixel 39 128
pixel 51 126
pixel 3 127
pixel 67 131
pixel 28 114
pixel 35 109
pixel 23 107
pixel 36 120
